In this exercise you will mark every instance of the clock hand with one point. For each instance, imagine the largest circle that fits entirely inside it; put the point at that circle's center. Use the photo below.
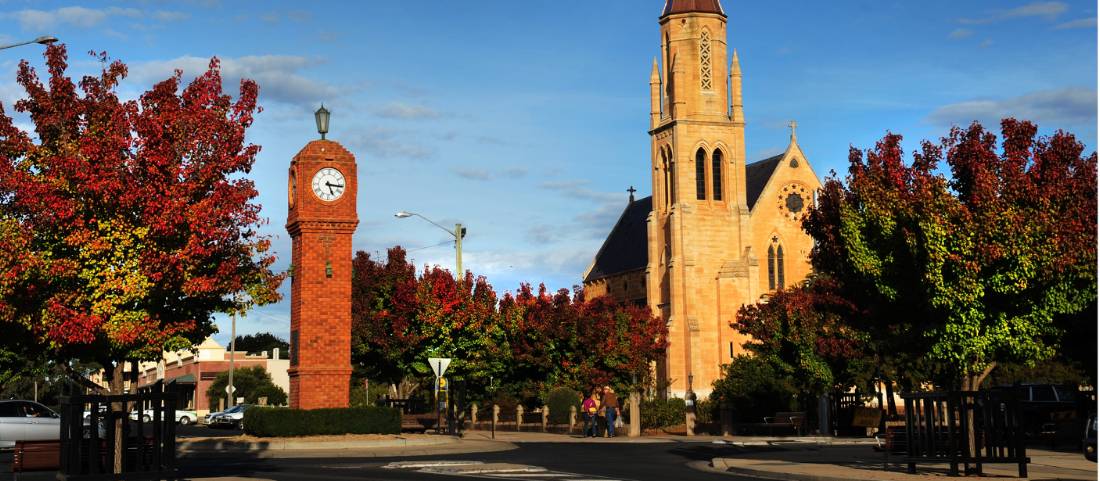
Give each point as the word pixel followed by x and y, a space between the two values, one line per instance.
pixel 338 186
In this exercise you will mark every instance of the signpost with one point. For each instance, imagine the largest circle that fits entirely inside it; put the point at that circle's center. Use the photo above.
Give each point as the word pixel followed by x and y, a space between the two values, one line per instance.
pixel 439 366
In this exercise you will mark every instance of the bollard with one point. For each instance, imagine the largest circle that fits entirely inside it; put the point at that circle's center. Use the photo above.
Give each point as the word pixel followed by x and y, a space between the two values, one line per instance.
pixel 473 416
pixel 572 417
pixel 635 415
pixel 545 417
pixel 496 417
pixel 725 413
pixel 519 416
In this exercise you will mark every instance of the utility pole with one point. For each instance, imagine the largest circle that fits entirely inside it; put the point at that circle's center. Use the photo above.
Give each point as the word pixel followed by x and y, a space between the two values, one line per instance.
pixel 459 274
pixel 230 392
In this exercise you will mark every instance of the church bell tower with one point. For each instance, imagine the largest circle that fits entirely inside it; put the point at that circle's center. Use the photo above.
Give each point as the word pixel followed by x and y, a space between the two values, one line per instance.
pixel 321 219
pixel 699 266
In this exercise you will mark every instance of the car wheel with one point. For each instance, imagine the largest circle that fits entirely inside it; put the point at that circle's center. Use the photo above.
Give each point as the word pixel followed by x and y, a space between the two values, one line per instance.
pixel 185 421
pixel 240 425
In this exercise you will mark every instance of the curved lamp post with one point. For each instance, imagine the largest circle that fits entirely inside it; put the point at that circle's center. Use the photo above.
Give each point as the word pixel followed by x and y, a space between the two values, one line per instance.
pixel 44 40
pixel 458 234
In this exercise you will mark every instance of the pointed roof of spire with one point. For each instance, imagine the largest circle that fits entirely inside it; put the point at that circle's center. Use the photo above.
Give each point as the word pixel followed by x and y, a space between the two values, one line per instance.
pixel 735 64
pixel 689 6
pixel 656 73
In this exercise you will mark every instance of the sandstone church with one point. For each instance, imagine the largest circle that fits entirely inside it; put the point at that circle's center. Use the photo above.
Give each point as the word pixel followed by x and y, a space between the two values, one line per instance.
pixel 718 232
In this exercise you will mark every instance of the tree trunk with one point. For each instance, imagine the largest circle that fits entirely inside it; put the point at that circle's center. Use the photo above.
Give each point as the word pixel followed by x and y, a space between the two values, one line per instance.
pixel 115 385
pixel 891 405
pixel 973 382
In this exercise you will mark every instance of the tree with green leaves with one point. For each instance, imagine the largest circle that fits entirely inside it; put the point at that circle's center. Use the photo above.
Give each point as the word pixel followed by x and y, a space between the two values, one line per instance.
pixel 251 383
pixel 262 342
pixel 970 270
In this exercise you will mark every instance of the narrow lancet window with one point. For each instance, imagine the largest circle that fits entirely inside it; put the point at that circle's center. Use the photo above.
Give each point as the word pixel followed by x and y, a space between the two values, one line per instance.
pixel 771 268
pixel 701 175
pixel 716 173
pixel 779 266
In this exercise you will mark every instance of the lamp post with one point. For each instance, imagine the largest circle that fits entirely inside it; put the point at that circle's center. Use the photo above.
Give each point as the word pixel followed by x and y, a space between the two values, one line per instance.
pixel 321 116
pixel 458 234
pixel 44 40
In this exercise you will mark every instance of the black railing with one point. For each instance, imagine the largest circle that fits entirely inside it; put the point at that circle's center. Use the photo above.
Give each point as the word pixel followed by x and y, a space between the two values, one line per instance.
pixel 963 427
pixel 148 448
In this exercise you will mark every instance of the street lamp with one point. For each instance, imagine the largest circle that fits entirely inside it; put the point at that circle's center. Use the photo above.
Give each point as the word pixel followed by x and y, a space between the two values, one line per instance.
pixel 458 234
pixel 321 116
pixel 44 40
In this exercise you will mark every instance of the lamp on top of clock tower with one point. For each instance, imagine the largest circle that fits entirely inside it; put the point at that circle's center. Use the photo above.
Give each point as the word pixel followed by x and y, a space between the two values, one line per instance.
pixel 321 116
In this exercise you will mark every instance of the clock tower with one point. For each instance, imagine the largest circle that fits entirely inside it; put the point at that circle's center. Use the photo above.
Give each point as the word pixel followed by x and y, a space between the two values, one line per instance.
pixel 321 219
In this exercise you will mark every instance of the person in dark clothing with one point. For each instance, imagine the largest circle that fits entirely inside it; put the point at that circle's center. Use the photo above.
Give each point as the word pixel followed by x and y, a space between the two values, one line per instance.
pixel 610 405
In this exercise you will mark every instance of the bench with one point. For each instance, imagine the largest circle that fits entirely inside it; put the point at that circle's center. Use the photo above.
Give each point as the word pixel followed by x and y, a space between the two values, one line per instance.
pixel 784 420
pixel 36 456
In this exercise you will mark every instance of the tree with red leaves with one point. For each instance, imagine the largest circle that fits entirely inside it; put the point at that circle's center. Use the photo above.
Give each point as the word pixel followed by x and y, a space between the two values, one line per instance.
pixel 127 223
pixel 970 270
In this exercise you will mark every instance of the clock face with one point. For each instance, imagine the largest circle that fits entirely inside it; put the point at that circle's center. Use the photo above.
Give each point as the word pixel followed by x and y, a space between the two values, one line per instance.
pixel 328 184
pixel 793 200
pixel 292 187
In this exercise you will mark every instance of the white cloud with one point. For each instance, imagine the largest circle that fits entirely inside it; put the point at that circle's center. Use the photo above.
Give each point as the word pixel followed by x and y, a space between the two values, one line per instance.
pixel 81 17
pixel 1046 10
pixel 1057 108
pixel 170 16
pixel 1089 22
pixel 960 33
pixel 471 173
pixel 388 143
pixel 398 110
pixel 279 76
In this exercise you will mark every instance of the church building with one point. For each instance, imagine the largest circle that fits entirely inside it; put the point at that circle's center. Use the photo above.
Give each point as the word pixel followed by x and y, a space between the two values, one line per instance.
pixel 717 233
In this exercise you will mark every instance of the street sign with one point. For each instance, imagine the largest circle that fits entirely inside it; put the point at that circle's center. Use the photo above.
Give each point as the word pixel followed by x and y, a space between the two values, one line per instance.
pixel 439 365
pixel 230 389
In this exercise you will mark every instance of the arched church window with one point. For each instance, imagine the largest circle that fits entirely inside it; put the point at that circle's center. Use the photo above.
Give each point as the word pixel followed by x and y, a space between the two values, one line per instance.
pixel 671 169
pixel 701 174
pixel 779 266
pixel 771 268
pixel 704 60
pixel 716 173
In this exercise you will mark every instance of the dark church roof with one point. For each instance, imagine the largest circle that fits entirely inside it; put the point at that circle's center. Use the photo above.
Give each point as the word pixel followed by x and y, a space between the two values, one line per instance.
pixel 686 6
pixel 627 246
pixel 756 177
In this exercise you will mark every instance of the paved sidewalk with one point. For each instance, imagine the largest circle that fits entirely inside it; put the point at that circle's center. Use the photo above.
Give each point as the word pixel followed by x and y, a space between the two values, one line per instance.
pixel 737 441
pixel 855 463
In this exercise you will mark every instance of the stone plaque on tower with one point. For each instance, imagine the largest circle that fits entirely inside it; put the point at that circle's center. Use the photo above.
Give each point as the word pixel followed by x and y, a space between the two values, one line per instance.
pixel 321 219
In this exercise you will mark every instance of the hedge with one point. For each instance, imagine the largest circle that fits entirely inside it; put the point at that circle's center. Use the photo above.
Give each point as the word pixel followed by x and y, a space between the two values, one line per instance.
pixel 283 422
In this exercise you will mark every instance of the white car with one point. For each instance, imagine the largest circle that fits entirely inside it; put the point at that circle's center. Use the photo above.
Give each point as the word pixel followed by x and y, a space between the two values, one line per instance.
pixel 233 417
pixel 182 417
pixel 27 421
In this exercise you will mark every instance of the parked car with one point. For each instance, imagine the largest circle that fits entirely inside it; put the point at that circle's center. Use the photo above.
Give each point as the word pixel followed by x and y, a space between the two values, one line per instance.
pixel 1049 410
pixel 182 417
pixel 232 417
pixel 1089 443
pixel 27 421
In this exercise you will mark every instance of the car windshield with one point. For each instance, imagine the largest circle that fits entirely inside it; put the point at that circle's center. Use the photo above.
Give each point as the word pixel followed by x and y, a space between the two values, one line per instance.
pixel 234 409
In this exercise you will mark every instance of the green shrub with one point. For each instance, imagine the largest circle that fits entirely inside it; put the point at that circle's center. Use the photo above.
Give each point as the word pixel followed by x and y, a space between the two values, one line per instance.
pixel 559 401
pixel 283 422
pixel 657 413
pixel 754 388
pixel 706 411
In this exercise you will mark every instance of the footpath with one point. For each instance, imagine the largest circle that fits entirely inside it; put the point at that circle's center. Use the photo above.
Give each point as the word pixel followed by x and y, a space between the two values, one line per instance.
pixel 856 463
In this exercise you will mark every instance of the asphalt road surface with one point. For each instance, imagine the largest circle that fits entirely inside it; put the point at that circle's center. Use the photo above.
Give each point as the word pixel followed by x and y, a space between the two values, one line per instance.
pixel 532 461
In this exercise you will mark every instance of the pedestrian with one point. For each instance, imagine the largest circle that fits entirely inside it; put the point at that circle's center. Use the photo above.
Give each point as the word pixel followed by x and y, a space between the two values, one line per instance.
pixel 590 407
pixel 610 404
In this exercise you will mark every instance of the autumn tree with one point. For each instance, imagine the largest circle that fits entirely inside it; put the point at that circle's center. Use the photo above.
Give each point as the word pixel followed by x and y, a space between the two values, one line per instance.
pixel 126 223
pixel 969 270
pixel 804 334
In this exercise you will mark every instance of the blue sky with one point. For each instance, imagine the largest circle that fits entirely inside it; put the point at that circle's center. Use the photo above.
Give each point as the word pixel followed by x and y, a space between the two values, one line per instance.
pixel 526 120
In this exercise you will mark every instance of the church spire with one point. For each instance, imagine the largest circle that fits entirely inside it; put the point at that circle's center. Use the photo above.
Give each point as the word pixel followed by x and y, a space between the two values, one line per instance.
pixel 737 110
pixel 654 95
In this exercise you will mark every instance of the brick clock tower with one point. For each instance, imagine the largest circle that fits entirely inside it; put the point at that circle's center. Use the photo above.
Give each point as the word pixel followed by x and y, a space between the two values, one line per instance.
pixel 321 219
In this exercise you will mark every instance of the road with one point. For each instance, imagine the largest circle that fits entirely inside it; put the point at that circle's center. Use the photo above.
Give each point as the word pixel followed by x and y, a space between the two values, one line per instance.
pixel 562 461
pixel 559 461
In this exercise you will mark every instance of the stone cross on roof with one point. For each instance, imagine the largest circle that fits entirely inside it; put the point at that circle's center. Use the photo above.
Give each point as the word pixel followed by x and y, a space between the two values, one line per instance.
pixel 632 190
pixel 793 125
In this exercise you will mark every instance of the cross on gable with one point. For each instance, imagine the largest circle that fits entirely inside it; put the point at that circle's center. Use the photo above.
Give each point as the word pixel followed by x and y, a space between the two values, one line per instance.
pixel 632 190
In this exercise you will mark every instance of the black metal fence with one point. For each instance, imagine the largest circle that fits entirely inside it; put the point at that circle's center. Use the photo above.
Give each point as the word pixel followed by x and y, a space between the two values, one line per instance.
pixel 91 423
pixel 964 427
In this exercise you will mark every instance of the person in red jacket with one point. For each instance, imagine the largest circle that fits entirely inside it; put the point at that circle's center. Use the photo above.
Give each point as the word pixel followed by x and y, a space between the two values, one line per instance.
pixel 589 408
